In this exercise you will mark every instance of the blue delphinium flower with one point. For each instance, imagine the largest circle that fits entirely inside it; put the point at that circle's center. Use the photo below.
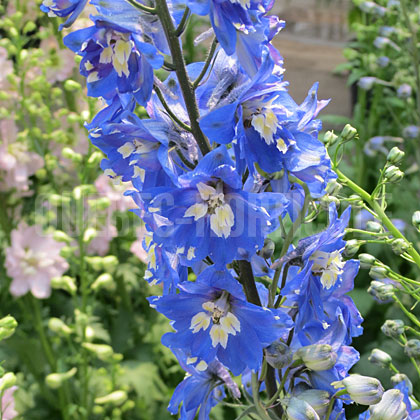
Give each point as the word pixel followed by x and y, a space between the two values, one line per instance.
pixel 115 60
pixel 212 319
pixel 265 125
pixel 203 387
pixel 64 8
pixel 241 27
pixel 210 215
pixel 134 153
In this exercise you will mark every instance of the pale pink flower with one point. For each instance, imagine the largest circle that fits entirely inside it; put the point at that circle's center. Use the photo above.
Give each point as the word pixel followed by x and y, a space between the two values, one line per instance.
pixel 32 260
pixel 99 245
pixel 8 411
pixel 17 164
pixel 137 246
pixel 115 193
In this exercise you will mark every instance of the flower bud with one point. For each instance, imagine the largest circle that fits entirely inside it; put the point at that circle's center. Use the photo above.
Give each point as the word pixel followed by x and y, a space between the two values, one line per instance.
pixel 399 246
pixel 83 190
pixel 61 236
pixel 380 358
pixel 416 220
pixel 372 226
pixel 412 348
pixel 116 398
pixel 101 351
pixel 109 263
pixel 268 249
pixel 318 399
pixel 329 138
pixel 94 159
pixel 56 380
pixel 278 355
pixel 395 155
pixel 64 283
pixel 393 328
pixel 58 200
pixel 356 201
pixel 72 86
pixel 89 234
pixel 391 407
pixel 366 260
pixel 58 326
pixel 393 174
pixel 382 292
pixel 361 389
pixel 401 377
pixel 367 82
pixel 351 248
pixel 95 262
pixel 101 203
pixel 411 131
pixel 7 381
pixel 8 323
pixel 317 357
pixel 298 409
pixel 348 133
pixel 326 200
pixel 67 251
pixel 333 187
pixel 72 155
pixel 383 61
pixel 377 272
pixel 404 91
pixel 104 281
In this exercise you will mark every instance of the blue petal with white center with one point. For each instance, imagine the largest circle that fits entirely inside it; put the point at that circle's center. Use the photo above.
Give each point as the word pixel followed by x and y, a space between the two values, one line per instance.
pixel 212 319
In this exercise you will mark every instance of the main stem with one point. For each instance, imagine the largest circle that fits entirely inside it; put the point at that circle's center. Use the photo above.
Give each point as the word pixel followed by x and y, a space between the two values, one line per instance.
pixel 182 75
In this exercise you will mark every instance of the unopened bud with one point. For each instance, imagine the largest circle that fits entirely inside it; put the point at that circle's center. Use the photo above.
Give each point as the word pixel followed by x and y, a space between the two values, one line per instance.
pixel 72 86
pixel 317 357
pixel 416 220
pixel 298 409
pixel 412 348
pixel 378 273
pixel 348 133
pixel 56 380
pixel 399 246
pixel 329 138
pixel 104 281
pixel 95 159
pixel 404 91
pixel 116 398
pixel 391 407
pixel 101 203
pixel 64 283
pixel 402 377
pixel 89 234
pixel 72 155
pixel 393 328
pixel 278 355
pixel 372 226
pixel 61 236
pixel 393 174
pixel 109 262
pixel 382 292
pixel 361 389
pixel 380 358
pixel 366 260
pixel 333 187
pixel 326 200
pixel 351 248
pixel 83 190
pixel 318 399
pixel 59 327
pixel 102 351
pixel 8 323
pixel 268 249
pixel 367 82
pixel 7 381
pixel 67 251
pixel 95 262
pixel 58 200
pixel 356 201
pixel 395 155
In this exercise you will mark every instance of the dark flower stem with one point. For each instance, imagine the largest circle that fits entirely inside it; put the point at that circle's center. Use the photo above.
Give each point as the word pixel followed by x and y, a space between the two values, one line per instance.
pixel 182 75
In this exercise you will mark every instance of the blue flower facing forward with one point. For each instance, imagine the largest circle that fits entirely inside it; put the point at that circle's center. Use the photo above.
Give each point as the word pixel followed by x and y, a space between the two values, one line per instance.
pixel 210 215
pixel 115 61
pixel 212 319
pixel 64 8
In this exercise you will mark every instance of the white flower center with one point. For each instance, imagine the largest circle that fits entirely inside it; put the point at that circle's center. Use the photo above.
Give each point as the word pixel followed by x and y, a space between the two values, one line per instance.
pixel 118 52
pixel 328 265
pixel 213 203
pixel 223 321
